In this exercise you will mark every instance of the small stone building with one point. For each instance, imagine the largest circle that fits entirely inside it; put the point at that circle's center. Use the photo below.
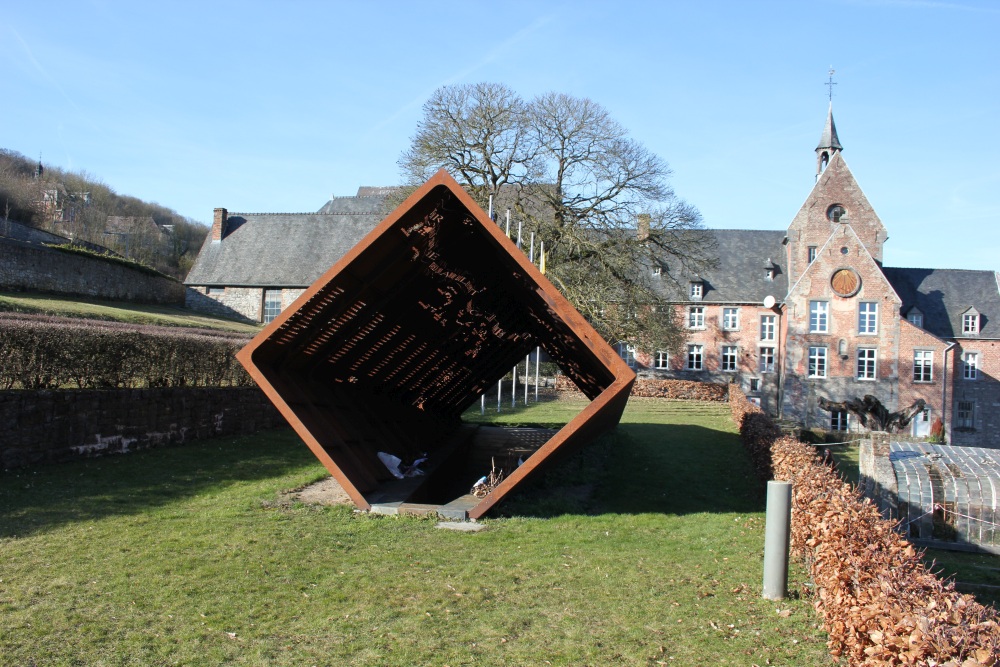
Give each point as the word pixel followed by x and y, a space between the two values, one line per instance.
pixel 254 265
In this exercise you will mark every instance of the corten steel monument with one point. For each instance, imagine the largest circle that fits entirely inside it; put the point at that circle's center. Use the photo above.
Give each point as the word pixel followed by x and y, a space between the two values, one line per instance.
pixel 389 347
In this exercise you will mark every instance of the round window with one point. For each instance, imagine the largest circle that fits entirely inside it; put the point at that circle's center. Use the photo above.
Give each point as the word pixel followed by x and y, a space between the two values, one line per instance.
pixel 837 213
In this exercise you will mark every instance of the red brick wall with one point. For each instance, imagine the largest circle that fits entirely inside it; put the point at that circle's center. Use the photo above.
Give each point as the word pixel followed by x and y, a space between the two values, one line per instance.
pixel 983 393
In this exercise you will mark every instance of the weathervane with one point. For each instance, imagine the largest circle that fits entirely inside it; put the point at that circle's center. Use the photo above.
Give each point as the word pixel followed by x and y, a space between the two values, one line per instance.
pixel 830 84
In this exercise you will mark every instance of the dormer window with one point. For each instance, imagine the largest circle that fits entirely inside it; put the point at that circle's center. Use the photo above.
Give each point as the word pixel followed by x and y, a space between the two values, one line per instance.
pixel 768 274
pixel 970 322
pixel 837 213
pixel 657 271
pixel 916 318
pixel 697 289
pixel 769 269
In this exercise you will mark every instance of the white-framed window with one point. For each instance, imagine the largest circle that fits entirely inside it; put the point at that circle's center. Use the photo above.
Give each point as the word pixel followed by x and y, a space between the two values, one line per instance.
pixel 812 254
pixel 661 360
pixel 866 363
pixel 839 420
pixel 965 414
pixel 817 362
pixel 868 318
pixel 754 384
pixel 215 291
pixel 657 270
pixel 767 360
pixel 970 365
pixel 272 304
pixel 695 357
pixel 819 316
pixel 970 323
pixel 730 319
pixel 923 366
pixel 730 356
pixel 696 317
pixel 769 273
pixel 627 353
pixel 755 400
pixel 916 318
pixel 697 289
pixel 767 327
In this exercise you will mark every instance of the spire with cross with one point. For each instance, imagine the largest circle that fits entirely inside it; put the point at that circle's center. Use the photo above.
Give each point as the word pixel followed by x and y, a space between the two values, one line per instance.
pixel 830 83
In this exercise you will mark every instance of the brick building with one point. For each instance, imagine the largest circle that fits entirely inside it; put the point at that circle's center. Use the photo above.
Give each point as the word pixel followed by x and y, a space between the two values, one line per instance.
pixel 793 316
pixel 812 313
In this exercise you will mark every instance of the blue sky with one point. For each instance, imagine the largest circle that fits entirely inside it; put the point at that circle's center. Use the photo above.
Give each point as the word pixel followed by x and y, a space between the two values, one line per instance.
pixel 261 107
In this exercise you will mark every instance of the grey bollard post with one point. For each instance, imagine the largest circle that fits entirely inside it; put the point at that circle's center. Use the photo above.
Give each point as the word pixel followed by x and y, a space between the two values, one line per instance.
pixel 777 527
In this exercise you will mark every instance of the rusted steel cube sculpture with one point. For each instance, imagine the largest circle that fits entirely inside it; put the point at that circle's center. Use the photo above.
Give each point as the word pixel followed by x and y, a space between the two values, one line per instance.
pixel 405 332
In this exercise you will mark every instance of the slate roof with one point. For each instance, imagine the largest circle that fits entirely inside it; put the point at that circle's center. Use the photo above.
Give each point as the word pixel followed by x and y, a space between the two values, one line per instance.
pixel 367 204
pixel 740 276
pixel 829 138
pixel 282 249
pixel 944 295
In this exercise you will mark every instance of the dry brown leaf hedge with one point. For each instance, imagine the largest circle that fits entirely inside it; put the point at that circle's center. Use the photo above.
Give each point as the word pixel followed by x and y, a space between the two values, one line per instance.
pixel 879 603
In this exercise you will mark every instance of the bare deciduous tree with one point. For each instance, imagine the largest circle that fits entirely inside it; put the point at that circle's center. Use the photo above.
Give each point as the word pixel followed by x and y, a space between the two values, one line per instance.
pixel 599 199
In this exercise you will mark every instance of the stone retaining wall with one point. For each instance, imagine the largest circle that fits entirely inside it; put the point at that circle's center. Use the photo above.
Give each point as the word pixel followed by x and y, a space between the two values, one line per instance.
pixel 27 266
pixel 64 425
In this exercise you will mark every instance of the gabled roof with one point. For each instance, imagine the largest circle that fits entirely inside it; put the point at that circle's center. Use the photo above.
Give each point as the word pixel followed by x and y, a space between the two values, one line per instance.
pixel 944 295
pixel 281 249
pixel 740 276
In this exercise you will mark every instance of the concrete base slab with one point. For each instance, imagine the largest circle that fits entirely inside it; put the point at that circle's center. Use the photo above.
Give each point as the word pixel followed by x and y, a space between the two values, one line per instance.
pixel 462 526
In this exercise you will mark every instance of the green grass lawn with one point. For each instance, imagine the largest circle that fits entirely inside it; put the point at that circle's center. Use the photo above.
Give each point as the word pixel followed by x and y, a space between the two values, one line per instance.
pixel 643 549
pixel 117 311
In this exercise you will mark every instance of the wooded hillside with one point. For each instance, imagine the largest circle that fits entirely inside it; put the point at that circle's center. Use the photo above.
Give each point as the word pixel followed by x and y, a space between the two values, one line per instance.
pixel 81 207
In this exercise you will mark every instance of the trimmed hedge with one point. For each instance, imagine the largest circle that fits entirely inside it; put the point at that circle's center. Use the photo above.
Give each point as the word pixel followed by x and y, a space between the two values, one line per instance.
pixel 45 352
pixel 879 603
pixel 687 390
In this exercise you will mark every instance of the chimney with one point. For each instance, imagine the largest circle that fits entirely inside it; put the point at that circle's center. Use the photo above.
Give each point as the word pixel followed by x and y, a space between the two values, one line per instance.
pixel 219 224
pixel 643 226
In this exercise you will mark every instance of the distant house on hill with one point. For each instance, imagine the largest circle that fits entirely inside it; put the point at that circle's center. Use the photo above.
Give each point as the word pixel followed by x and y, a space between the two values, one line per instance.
pixel 253 265
pixel 793 316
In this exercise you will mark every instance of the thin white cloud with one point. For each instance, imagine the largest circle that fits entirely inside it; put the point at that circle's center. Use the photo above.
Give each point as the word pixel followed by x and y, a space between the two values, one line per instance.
pixel 492 56
pixel 41 70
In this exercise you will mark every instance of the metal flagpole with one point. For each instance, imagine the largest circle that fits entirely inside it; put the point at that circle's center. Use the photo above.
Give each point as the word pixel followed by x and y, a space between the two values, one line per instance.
pixel 527 367
pixel 513 388
pixel 538 360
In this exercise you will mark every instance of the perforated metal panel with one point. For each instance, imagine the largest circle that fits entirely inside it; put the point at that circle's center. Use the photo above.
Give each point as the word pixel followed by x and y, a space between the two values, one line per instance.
pixel 386 350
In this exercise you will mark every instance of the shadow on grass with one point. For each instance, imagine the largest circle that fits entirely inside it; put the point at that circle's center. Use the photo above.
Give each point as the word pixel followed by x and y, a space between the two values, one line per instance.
pixel 644 468
pixel 38 499
pixel 638 468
